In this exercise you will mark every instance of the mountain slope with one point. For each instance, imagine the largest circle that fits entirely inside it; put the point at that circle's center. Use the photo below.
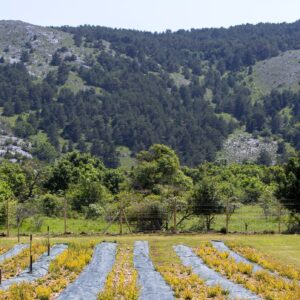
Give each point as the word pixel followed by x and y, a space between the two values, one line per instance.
pixel 96 88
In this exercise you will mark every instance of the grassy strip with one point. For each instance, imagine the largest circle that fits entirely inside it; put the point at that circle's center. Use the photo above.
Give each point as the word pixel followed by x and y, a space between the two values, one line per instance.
pixel 15 265
pixel 185 284
pixel 74 225
pixel 265 261
pixel 62 271
pixel 261 282
pixel 251 214
pixel 121 282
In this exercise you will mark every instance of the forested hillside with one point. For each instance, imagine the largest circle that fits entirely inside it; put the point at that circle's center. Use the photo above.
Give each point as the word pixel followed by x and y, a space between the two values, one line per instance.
pixel 95 89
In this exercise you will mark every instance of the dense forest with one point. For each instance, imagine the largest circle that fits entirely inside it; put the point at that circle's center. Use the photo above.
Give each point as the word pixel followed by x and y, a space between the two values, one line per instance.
pixel 142 88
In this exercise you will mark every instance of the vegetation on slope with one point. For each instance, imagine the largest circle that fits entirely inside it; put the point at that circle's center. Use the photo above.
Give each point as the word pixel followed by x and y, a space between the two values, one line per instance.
pixel 108 88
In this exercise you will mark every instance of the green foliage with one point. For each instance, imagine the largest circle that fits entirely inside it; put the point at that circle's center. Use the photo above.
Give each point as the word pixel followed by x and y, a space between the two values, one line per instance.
pixel 158 166
pixel 24 56
pixel 206 201
pixel 51 205
pixel 268 201
pixel 81 177
pixel 23 128
pixel 151 193
pixel 94 211
pixel 289 185
pixel 43 150
pixel 13 177
pixel 173 88
pixel 149 214
pixel 264 158
pixel 87 192
pixel 245 182
pixel 71 167
pixel 6 194
pixel 115 180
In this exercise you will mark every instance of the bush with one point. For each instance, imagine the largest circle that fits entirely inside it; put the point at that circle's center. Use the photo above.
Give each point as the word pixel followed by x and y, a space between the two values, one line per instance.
pixel 94 211
pixel 36 222
pixel 293 223
pixel 51 205
pixel 148 215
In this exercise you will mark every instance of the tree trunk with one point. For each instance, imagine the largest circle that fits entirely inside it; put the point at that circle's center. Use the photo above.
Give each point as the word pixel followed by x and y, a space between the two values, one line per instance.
pixel 227 215
pixel 208 222
pixel 65 215
pixel 7 217
pixel 175 216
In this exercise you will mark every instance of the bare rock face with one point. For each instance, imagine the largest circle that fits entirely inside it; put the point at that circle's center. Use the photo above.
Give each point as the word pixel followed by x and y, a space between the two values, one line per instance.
pixel 12 145
pixel 39 42
pixel 244 147
pixel 279 72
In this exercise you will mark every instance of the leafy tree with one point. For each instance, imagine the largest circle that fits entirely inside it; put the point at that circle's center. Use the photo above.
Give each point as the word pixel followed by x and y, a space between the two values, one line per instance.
pixel 115 180
pixel 158 171
pixel 289 185
pixel 157 166
pixel 205 201
pixel 51 205
pixel 35 175
pixel 8 109
pixel 87 192
pixel 6 204
pixel 44 150
pixel 268 201
pixel 13 176
pixel 70 168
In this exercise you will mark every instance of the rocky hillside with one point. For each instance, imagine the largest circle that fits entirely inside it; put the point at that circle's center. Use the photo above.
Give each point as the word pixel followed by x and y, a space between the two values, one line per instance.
pixel 40 43
pixel 98 89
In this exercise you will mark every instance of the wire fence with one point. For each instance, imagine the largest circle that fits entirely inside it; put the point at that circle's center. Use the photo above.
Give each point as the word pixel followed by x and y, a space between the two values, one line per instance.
pixel 244 219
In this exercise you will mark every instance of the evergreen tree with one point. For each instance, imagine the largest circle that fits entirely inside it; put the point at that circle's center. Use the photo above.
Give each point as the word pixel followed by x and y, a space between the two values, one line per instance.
pixel 264 158
pixel 56 59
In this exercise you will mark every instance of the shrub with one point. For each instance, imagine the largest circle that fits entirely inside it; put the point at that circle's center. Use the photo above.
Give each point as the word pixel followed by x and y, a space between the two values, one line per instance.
pixel 148 215
pixel 94 211
pixel 51 205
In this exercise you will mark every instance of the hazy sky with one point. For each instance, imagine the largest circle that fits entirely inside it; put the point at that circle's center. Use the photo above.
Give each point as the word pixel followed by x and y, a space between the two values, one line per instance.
pixel 153 15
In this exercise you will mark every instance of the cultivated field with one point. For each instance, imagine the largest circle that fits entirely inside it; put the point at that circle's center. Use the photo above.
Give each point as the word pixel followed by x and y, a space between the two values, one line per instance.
pixel 145 266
